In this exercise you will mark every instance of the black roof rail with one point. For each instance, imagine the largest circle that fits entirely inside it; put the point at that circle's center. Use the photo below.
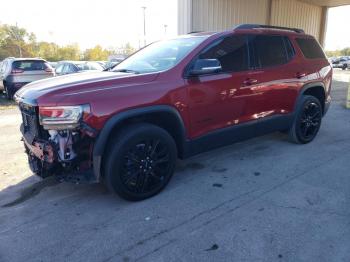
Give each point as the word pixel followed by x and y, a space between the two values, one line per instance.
pixel 253 26
pixel 195 32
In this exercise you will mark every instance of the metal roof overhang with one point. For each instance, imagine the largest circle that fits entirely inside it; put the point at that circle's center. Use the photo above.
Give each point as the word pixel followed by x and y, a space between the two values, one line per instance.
pixel 328 3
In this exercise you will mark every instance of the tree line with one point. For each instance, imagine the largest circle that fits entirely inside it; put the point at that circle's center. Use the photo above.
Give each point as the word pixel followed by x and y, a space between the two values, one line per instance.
pixel 18 42
pixel 336 53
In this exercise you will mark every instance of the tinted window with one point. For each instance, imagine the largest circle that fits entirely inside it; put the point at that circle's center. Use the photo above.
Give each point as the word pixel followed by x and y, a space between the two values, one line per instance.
pixel 232 52
pixel 65 69
pixel 269 50
pixel 289 48
pixel 29 65
pixel 310 48
pixel 71 68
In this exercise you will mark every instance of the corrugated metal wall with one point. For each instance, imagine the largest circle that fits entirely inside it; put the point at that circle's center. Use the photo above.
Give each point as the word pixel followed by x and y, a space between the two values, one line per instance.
pixel 297 14
pixel 215 15
pixel 184 23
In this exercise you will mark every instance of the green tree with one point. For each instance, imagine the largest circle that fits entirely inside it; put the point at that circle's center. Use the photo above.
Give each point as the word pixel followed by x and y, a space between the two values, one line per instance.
pixel 14 41
pixel 96 54
pixel 68 52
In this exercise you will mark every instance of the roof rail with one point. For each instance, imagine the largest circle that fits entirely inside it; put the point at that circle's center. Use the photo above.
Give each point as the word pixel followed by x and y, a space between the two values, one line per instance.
pixel 253 26
pixel 195 32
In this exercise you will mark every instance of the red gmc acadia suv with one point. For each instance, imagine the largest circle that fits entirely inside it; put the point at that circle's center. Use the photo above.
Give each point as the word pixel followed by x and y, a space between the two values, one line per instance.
pixel 172 99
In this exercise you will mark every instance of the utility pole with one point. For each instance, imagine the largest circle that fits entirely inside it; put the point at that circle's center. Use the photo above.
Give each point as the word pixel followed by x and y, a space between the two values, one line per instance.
pixel 144 25
pixel 165 28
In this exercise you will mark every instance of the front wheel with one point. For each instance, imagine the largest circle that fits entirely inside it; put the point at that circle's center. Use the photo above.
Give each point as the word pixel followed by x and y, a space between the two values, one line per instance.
pixel 140 161
pixel 307 121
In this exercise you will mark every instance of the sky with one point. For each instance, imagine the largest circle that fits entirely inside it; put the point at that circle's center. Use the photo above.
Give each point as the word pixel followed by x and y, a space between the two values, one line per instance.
pixel 112 23
pixel 338 29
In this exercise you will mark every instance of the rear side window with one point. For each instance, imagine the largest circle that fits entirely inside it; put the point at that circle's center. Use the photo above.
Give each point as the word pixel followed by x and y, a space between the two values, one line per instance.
pixel 310 48
pixel 271 50
pixel 232 52
pixel 29 65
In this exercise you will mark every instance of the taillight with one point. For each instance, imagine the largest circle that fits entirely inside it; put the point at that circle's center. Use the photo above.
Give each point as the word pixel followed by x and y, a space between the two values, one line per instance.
pixel 17 71
pixel 49 70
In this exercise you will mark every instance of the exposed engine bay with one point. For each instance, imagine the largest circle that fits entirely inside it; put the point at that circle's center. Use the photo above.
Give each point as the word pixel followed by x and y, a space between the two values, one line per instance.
pixel 66 153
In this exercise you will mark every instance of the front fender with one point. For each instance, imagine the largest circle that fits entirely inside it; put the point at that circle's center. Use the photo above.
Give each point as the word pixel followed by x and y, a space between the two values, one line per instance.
pixel 113 122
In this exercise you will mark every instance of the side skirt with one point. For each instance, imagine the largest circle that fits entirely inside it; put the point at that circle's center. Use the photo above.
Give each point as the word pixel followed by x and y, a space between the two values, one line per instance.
pixel 230 135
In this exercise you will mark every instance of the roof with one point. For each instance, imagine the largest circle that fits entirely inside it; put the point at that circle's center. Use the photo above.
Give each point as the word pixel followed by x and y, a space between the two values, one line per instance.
pixel 24 59
pixel 328 3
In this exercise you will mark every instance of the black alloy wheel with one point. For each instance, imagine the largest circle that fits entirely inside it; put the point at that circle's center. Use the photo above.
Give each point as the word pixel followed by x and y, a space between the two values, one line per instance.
pixel 310 120
pixel 307 121
pixel 141 160
pixel 145 166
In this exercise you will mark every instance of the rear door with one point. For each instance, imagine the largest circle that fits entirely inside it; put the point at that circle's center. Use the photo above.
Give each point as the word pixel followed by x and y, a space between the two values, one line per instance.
pixel 26 71
pixel 275 75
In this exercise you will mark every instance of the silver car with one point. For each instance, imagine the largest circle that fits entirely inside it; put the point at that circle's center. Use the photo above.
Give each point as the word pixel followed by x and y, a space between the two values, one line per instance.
pixel 17 72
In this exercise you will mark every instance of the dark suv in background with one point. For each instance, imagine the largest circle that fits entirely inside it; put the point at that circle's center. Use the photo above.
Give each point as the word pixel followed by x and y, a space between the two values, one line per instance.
pixel 173 99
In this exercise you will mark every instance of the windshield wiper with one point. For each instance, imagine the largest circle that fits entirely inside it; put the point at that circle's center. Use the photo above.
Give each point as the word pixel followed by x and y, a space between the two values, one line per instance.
pixel 124 70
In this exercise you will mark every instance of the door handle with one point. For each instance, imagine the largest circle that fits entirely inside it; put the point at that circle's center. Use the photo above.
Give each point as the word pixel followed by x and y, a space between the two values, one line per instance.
pixel 249 82
pixel 300 75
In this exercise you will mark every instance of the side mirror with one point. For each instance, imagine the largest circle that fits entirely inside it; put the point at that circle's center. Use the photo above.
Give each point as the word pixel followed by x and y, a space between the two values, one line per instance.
pixel 205 66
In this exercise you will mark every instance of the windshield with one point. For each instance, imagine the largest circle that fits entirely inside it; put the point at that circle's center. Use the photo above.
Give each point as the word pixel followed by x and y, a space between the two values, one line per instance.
pixel 159 56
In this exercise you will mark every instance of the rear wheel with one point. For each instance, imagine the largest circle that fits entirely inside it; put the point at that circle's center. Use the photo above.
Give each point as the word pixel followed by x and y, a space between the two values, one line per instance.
pixel 8 92
pixel 140 161
pixel 307 121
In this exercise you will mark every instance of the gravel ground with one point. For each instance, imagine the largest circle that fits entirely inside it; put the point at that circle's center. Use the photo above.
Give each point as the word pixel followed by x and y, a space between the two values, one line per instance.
pixel 260 200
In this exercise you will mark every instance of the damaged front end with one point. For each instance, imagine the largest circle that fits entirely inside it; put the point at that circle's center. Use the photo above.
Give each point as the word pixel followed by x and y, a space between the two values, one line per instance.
pixel 58 141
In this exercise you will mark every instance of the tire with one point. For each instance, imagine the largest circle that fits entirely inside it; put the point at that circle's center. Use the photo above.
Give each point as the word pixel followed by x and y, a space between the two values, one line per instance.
pixel 8 93
pixel 307 121
pixel 140 161
pixel 344 67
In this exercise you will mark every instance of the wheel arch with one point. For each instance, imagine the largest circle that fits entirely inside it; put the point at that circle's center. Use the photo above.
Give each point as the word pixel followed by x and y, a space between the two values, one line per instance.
pixel 164 116
pixel 316 89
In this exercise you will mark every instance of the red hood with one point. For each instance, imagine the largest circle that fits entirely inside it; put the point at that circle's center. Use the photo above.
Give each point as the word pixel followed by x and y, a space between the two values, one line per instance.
pixel 54 90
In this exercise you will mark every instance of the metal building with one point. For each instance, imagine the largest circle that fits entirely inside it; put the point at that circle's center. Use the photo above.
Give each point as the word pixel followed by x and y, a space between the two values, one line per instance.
pixel 215 15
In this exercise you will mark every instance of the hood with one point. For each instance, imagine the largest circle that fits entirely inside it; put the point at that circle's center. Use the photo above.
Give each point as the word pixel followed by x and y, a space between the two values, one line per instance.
pixel 55 89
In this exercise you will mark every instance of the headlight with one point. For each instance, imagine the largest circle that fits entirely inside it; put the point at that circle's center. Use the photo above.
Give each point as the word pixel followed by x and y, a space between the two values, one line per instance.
pixel 62 117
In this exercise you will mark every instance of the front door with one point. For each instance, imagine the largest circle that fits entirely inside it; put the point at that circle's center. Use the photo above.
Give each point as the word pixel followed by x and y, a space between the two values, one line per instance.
pixel 222 99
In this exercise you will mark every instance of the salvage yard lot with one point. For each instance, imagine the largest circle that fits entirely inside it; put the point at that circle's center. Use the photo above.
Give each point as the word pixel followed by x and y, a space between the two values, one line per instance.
pixel 260 200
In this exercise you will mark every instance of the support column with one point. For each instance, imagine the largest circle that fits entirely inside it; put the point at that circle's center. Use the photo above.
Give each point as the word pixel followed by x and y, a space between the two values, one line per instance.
pixel 323 26
pixel 269 12
pixel 184 16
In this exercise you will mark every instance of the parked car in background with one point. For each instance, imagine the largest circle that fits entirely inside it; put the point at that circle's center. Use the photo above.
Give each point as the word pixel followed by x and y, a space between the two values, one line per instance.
pixel 53 64
pixel 173 99
pixel 102 63
pixel 17 72
pixel 110 65
pixel 113 62
pixel 342 62
pixel 71 67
